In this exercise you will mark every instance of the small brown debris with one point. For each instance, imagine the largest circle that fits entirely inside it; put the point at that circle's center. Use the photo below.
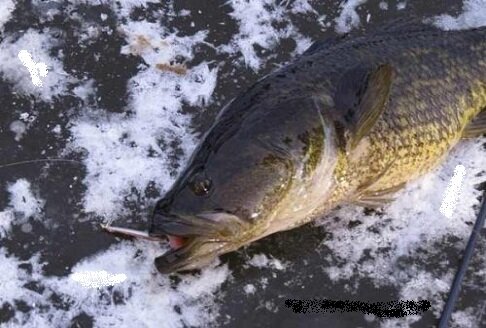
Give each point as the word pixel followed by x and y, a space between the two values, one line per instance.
pixel 141 43
pixel 177 69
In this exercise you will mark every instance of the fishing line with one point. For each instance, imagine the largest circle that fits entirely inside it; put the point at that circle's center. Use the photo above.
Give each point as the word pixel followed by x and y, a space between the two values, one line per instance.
pixel 456 285
pixel 46 160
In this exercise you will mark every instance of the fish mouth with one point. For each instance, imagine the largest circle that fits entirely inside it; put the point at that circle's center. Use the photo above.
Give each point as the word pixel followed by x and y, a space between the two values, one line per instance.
pixel 195 240
pixel 193 254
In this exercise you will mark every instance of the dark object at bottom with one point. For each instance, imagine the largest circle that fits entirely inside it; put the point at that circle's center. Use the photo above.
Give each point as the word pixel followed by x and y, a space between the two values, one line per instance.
pixel 380 309
pixel 456 285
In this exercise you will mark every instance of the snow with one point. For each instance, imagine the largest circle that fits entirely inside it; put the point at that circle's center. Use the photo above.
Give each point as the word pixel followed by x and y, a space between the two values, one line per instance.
pixel 348 18
pixel 97 279
pixel 149 299
pixel 118 146
pixel 383 5
pixel 23 204
pixel 402 5
pixel 257 19
pixel 18 128
pixel 23 200
pixel 8 7
pixel 262 261
pixel 473 15
pixel 249 289
pixel 38 45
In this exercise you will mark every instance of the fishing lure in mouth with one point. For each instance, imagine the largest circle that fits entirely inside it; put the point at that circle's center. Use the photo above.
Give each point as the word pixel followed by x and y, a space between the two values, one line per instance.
pixel 174 242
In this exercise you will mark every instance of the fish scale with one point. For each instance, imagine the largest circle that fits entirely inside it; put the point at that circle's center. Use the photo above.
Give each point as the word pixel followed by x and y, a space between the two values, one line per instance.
pixel 439 88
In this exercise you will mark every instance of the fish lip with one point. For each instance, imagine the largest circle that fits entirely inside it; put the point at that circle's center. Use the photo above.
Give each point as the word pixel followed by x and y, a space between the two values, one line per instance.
pixel 189 256
pixel 181 226
pixel 207 235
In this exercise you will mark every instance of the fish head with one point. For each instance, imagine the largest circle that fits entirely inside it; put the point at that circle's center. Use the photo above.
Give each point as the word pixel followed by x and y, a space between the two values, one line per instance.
pixel 236 183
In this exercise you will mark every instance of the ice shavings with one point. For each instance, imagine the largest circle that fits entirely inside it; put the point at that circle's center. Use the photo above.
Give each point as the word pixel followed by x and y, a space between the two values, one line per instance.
pixel 473 15
pixel 22 199
pixel 37 70
pixel 262 261
pixel 10 279
pixel 6 219
pixel 401 5
pixel 7 7
pixel 383 5
pixel 38 45
pixel 23 204
pixel 156 45
pixel 130 151
pixel 453 192
pixel 97 279
pixel 348 18
pixel 149 299
pixel 258 20
pixel 18 128
pixel 302 7
pixel 249 289
pixel 124 7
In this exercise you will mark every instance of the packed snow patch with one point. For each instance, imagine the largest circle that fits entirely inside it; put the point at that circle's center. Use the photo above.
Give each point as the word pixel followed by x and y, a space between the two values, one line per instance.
pixel 97 279
pixel 348 18
pixel 262 261
pixel 130 152
pixel 7 7
pixel 473 15
pixel 23 204
pixel 23 200
pixel 257 21
pixel 38 45
pixel 143 292
pixel 126 152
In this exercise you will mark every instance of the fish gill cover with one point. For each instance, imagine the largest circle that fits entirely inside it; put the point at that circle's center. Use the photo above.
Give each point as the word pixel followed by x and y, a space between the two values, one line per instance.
pixel 131 85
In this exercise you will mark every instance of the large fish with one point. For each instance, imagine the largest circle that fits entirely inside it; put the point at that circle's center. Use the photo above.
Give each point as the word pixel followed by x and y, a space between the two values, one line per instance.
pixel 352 120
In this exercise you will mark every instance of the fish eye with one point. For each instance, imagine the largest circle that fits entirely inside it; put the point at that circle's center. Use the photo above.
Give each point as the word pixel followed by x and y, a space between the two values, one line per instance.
pixel 201 185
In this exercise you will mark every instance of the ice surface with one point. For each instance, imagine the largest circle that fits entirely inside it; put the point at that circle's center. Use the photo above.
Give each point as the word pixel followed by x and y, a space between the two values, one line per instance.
pixel 125 151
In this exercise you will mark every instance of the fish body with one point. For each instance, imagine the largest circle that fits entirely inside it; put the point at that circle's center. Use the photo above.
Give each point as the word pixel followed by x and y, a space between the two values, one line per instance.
pixel 352 120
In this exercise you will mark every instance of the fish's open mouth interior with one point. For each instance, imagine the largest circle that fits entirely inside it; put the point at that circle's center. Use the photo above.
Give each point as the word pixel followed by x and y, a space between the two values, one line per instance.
pixel 177 242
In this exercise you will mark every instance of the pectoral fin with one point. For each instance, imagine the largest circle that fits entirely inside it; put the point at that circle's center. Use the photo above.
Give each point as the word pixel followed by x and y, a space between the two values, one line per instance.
pixel 476 127
pixel 373 202
pixel 361 99
pixel 378 198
